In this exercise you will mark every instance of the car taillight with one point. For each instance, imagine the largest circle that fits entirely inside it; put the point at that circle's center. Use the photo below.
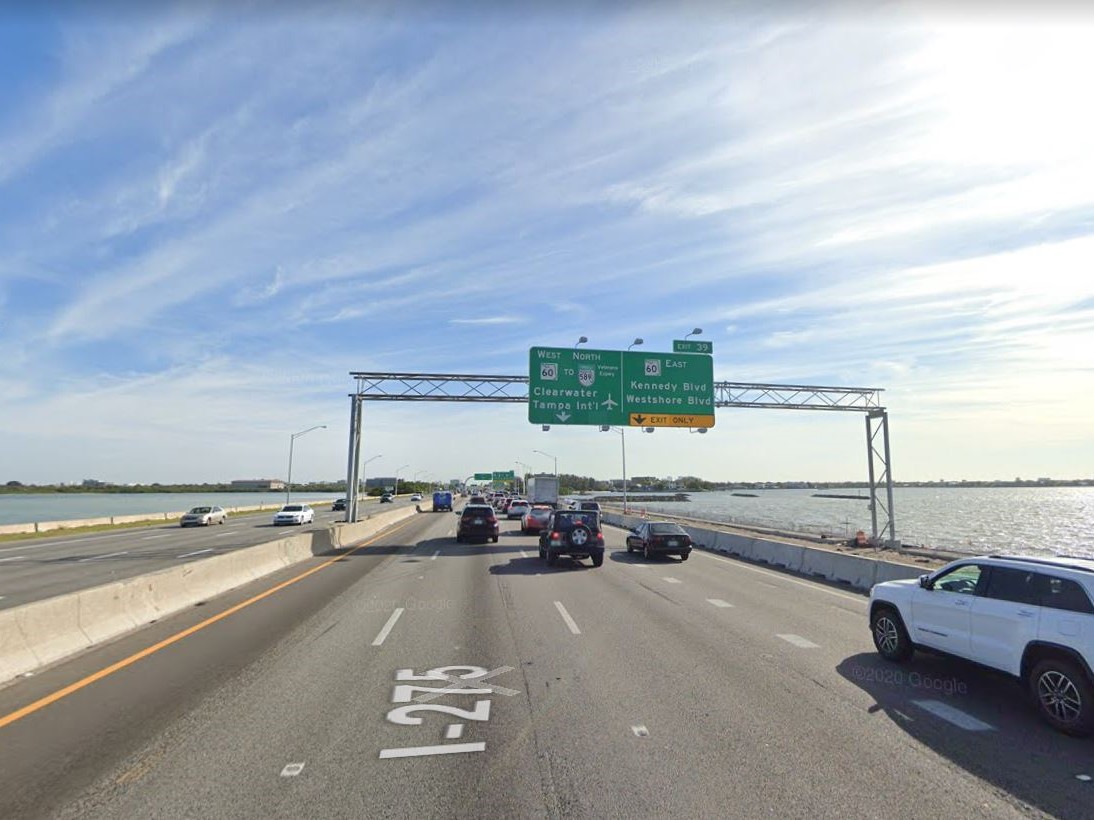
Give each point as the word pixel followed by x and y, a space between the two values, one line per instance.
pixel 555 536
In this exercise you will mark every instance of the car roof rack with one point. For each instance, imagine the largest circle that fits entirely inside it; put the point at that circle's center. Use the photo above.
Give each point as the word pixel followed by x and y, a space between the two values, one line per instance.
pixel 1069 562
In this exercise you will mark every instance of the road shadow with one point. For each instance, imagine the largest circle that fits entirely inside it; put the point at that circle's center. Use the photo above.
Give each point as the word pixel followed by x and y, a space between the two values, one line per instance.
pixel 1005 743
pixel 534 565
pixel 623 557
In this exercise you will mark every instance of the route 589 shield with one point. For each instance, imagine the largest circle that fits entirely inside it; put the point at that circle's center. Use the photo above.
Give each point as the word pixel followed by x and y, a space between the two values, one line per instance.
pixel 586 376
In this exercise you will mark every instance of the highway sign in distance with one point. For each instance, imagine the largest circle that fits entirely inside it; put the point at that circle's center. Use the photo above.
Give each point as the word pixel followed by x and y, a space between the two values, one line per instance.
pixel 686 346
pixel 501 475
pixel 484 476
pixel 610 387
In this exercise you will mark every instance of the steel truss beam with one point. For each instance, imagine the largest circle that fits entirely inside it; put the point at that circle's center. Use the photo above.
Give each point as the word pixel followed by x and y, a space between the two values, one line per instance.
pixel 455 387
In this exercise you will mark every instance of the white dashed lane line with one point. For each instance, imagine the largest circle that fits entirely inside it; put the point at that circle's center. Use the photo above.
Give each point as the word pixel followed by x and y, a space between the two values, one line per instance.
pixel 153 537
pixel 198 552
pixel 566 617
pixel 388 627
pixel 670 580
pixel 718 602
pixel 799 641
pixel 12 558
pixel 952 714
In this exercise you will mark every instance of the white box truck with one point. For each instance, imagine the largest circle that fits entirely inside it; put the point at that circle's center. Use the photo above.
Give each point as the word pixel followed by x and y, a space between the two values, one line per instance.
pixel 543 489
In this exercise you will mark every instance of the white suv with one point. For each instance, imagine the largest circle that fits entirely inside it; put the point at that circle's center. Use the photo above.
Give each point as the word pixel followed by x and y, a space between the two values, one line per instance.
pixel 1029 617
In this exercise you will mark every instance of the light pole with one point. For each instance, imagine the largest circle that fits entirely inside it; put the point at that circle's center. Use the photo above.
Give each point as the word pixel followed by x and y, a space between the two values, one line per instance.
pixel 292 441
pixel 420 472
pixel 581 341
pixel 604 428
pixel 696 332
pixel 635 342
pixel 549 456
pixel 523 480
pixel 396 493
pixel 364 464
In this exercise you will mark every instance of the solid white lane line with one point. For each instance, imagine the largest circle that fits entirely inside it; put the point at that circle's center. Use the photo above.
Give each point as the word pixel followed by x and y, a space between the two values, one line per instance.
pixel 292 769
pixel 953 715
pixel 151 537
pixel 670 580
pixel 198 552
pixel 223 534
pixel 387 627
pixel 799 641
pixel 566 617
pixel 454 731
pixel 425 751
pixel 523 554
pixel 718 602
pixel 434 558
pixel 640 730
pixel 97 557
pixel 781 577
pixel 12 558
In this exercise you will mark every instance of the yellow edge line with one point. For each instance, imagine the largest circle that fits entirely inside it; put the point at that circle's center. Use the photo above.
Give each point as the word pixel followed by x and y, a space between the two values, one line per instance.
pixel 18 714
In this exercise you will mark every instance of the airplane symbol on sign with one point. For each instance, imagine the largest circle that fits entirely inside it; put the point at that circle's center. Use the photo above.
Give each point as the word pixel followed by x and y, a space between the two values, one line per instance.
pixel 609 403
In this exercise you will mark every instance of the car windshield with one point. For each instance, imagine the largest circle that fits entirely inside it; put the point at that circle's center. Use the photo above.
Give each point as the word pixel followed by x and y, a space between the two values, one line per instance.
pixel 667 529
pixel 589 519
pixel 478 510
pixel 200 510
pixel 292 508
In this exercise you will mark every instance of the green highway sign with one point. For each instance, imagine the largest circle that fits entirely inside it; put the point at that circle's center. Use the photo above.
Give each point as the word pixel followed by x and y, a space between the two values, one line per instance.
pixel 595 387
pixel 685 346
pixel 502 475
pixel 484 476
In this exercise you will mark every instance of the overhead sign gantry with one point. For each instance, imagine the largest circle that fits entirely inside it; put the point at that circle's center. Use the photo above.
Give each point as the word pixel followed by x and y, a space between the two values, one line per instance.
pixel 452 387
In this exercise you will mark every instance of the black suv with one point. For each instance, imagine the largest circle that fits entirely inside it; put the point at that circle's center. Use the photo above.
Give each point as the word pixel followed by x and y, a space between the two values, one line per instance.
pixel 575 533
pixel 338 504
pixel 477 521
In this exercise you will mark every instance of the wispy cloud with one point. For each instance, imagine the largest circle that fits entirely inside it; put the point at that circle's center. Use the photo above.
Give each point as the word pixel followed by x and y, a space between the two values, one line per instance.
pixel 888 201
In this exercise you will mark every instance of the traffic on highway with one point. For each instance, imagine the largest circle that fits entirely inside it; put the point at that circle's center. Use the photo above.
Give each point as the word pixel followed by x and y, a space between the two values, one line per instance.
pixel 421 673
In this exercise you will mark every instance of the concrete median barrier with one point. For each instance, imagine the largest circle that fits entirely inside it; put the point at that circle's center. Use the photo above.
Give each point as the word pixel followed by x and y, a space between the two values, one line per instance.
pixel 44 632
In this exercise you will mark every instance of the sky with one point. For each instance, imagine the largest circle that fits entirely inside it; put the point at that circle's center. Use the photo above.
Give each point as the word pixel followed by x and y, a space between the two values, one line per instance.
pixel 209 219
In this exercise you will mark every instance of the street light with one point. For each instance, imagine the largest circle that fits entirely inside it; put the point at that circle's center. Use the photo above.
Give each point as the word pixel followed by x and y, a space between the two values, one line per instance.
pixel 604 428
pixel 549 456
pixel 635 342
pixel 697 331
pixel 418 474
pixel 523 480
pixel 397 479
pixel 581 341
pixel 364 464
pixel 700 430
pixel 292 441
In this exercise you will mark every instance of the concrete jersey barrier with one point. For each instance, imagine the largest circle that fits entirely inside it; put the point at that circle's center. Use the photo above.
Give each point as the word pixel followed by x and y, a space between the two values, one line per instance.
pixel 858 571
pixel 44 632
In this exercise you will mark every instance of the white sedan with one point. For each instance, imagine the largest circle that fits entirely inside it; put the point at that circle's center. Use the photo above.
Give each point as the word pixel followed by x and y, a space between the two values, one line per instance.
pixel 294 514
pixel 203 517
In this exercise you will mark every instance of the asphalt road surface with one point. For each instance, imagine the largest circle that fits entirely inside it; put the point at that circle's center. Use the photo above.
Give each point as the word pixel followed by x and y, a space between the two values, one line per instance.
pixel 43 567
pixel 711 688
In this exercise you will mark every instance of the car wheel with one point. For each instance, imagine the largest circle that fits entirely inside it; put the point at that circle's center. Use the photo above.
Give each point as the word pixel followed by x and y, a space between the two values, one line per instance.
pixel 598 560
pixel 1065 696
pixel 552 559
pixel 630 549
pixel 494 539
pixel 646 553
pixel 542 554
pixel 684 556
pixel 890 637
